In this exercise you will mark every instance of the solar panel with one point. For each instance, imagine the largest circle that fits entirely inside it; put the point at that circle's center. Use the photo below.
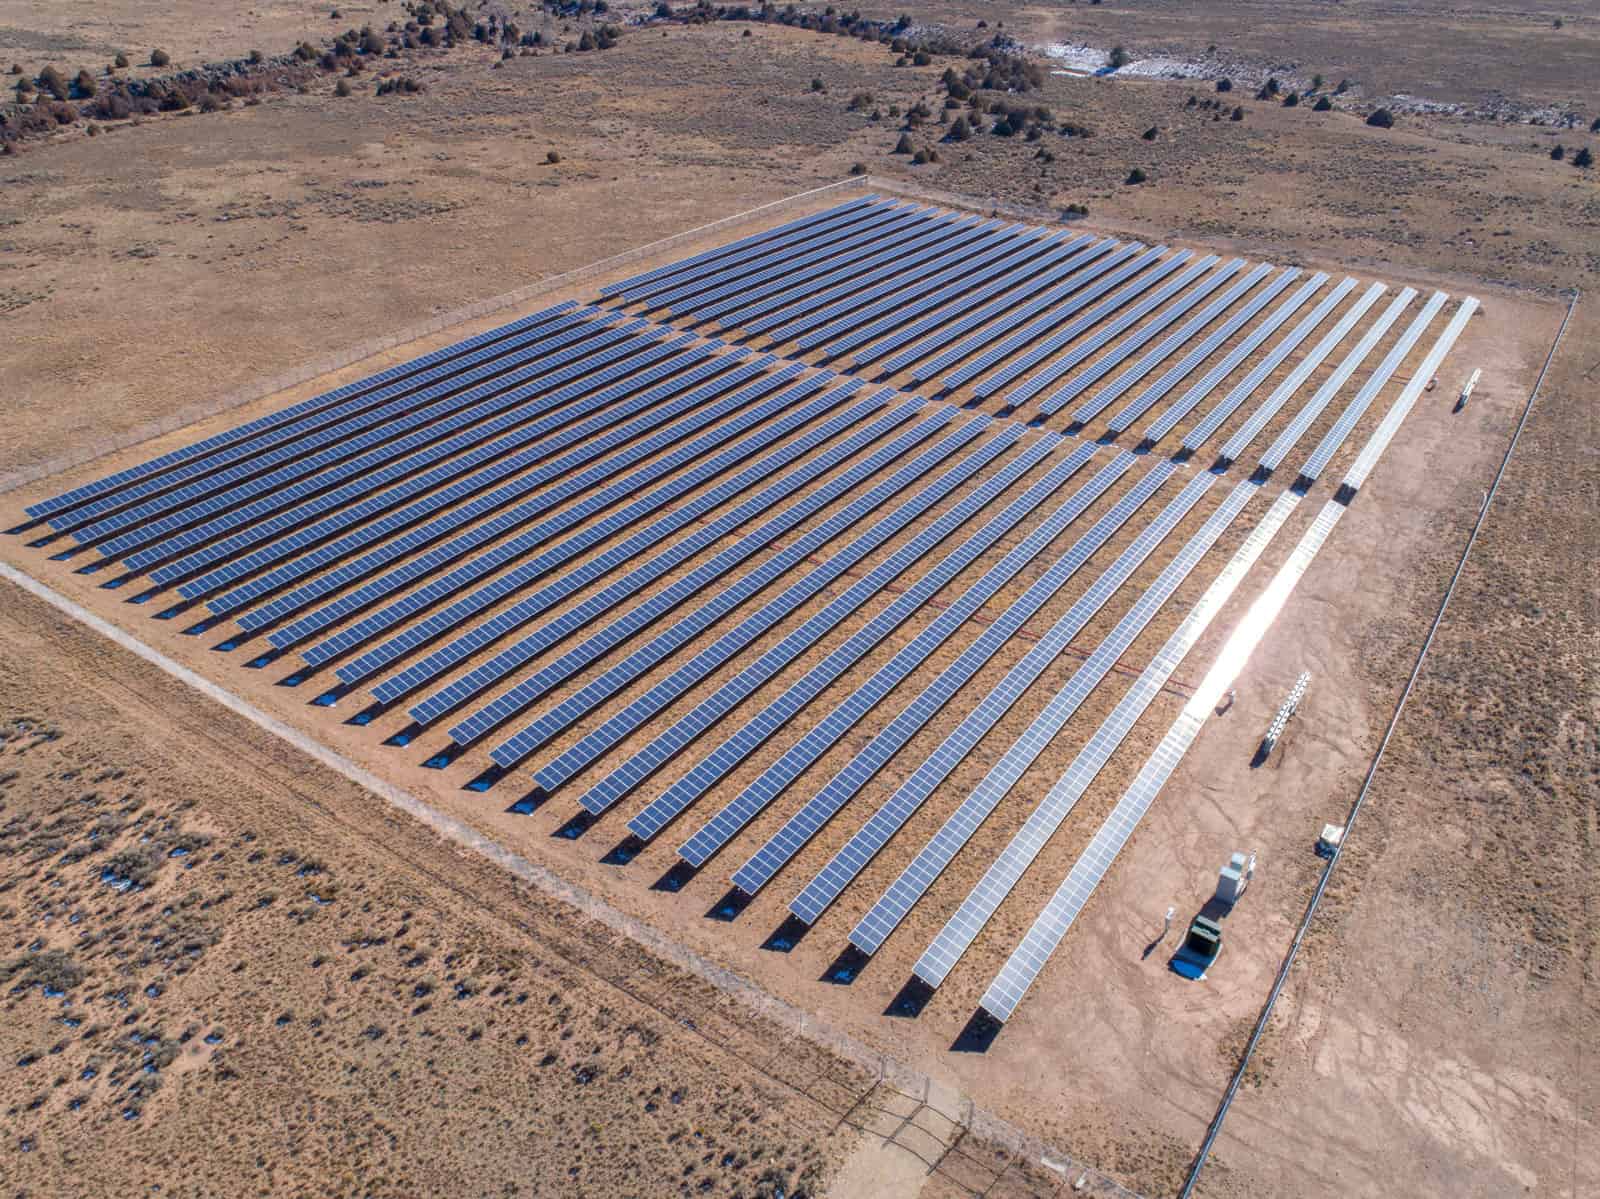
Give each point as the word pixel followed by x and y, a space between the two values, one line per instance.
pixel 571 480
pixel 631 773
pixel 1031 387
pixel 981 903
pixel 624 627
pixel 1020 970
pixel 778 234
pixel 1375 383
pixel 806 752
pixel 252 429
pixel 881 920
pixel 386 462
pixel 894 305
pixel 855 285
pixel 642 660
pixel 297 523
pixel 1197 354
pixel 1408 396
pixel 236 466
pixel 815 743
pixel 740 303
pixel 1286 440
pixel 631 547
pixel 586 395
pixel 699 363
pixel 1062 257
pixel 610 733
pixel 823 889
pixel 1234 446
pixel 1182 335
pixel 838 234
pixel 1041 350
pixel 826 803
pixel 856 243
pixel 913 271
pixel 596 605
pixel 1235 357
pixel 1114 269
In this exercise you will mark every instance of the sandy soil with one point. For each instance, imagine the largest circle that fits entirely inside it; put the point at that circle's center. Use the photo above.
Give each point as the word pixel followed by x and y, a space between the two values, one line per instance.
pixel 1175 1046
pixel 306 992
pixel 1470 207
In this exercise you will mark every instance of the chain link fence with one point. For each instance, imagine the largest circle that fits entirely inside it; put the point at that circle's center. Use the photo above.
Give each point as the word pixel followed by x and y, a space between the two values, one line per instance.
pixel 978 1150
pixel 295 376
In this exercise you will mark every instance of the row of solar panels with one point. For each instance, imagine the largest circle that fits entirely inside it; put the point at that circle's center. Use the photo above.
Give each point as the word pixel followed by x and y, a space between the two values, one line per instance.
pixel 983 304
pixel 575 423
pixel 155 518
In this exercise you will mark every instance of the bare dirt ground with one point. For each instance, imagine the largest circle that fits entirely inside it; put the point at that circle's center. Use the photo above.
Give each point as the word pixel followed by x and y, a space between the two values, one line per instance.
pixel 1435 51
pixel 78 33
pixel 1459 941
pixel 303 991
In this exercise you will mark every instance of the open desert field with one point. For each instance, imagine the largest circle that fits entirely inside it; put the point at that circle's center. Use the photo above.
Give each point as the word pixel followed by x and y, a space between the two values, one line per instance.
pixel 182 272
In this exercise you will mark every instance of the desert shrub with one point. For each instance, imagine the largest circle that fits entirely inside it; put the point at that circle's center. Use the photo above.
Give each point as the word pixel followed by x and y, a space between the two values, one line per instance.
pixel 1076 210
pixel 959 130
pixel 402 85
pixel 113 107
pixel 1150 134
pixel 120 61
pixel 1292 100
pixel 818 86
pixel 160 58
pixel 84 85
pixel 1237 114
pixel 859 101
pixel 64 114
pixel 53 968
pixel 552 157
pixel 1323 104
pixel 1316 83
pixel 24 89
pixel 52 82
pixel 1583 158
pixel 16 69
pixel 1342 87
pixel 903 146
pixel 1224 85
pixel 1119 58
pixel 920 158
pixel 1558 152
pixel 213 102
pixel 859 168
pixel 1381 118
pixel 342 88
pixel 921 58
pixel 1135 176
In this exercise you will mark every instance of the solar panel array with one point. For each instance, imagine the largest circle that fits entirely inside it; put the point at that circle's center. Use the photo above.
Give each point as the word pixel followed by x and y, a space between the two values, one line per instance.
pixel 684 548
